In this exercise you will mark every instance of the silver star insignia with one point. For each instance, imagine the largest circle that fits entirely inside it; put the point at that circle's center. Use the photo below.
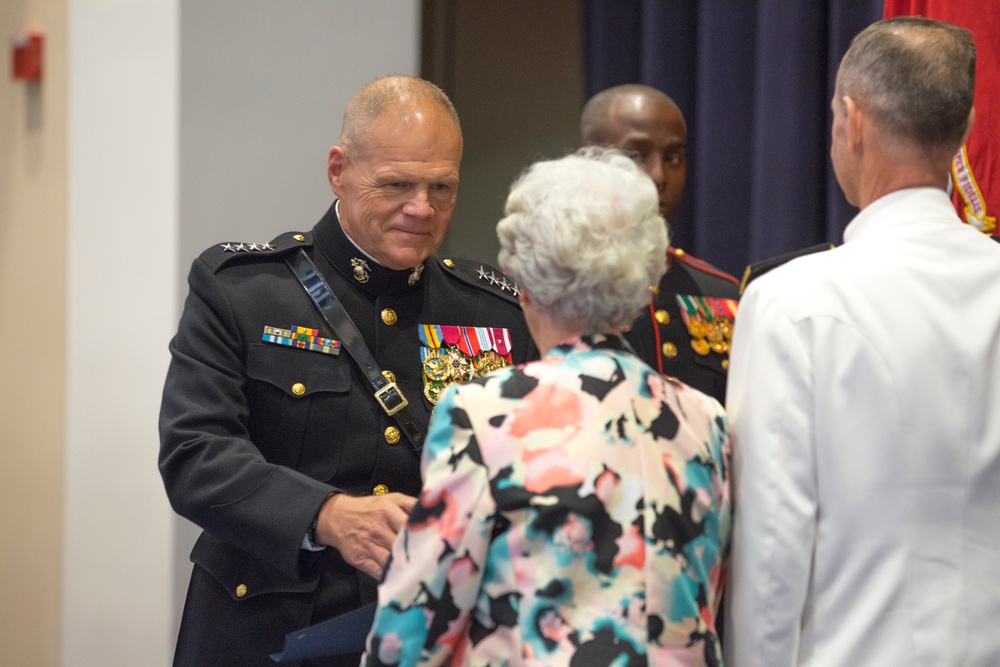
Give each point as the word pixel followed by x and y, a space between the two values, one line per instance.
pixel 515 290
pixel 241 248
pixel 504 285
pixel 266 246
pixel 482 273
pixel 227 247
pixel 253 247
pixel 493 279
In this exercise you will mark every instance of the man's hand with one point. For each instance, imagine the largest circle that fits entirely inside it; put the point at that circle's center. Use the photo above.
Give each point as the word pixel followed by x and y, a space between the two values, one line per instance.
pixel 363 528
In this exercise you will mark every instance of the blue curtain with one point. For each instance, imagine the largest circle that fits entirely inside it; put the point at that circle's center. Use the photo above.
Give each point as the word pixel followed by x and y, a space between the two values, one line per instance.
pixel 754 79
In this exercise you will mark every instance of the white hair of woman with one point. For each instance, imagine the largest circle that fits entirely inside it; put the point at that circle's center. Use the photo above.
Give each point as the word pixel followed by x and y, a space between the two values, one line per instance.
pixel 583 237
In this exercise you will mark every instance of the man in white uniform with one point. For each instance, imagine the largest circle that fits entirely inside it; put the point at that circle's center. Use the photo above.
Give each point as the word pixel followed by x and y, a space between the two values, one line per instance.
pixel 864 394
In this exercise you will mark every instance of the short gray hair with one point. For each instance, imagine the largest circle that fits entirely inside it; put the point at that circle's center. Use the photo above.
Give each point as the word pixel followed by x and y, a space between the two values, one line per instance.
pixel 584 236
pixel 381 95
pixel 915 77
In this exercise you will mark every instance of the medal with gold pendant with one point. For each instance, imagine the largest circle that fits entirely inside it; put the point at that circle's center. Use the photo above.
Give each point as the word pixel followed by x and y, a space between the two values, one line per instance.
pixel 453 354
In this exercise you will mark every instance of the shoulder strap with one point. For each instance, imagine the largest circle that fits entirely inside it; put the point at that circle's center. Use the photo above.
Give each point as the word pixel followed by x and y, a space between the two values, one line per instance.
pixel 389 396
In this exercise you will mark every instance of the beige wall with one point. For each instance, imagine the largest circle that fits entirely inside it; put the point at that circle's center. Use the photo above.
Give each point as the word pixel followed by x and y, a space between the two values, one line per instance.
pixel 32 353
pixel 514 70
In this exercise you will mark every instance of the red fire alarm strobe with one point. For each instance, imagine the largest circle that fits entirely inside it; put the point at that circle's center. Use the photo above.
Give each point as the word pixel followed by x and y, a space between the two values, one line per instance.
pixel 27 61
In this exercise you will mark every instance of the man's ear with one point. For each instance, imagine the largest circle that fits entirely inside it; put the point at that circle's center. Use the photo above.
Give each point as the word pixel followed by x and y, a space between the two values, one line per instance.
pixel 335 164
pixel 857 122
pixel 968 127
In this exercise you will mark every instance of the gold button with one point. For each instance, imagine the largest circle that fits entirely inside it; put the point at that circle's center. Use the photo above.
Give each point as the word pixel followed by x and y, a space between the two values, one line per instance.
pixel 655 289
pixel 450 264
pixel 725 364
pixel 669 350
pixel 389 316
pixel 662 316
pixel 679 252
pixel 299 238
pixel 392 435
pixel 380 490
pixel 241 590
pixel 389 376
pixel 298 389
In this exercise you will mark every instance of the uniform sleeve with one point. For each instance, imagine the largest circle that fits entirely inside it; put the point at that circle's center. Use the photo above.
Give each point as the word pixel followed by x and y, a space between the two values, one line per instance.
pixel 769 402
pixel 433 579
pixel 213 473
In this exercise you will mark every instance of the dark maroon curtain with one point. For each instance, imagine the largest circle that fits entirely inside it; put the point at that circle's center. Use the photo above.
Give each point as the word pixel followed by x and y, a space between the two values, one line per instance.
pixel 754 79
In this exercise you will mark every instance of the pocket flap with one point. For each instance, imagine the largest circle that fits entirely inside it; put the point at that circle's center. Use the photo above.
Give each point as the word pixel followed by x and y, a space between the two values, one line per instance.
pixel 242 575
pixel 298 372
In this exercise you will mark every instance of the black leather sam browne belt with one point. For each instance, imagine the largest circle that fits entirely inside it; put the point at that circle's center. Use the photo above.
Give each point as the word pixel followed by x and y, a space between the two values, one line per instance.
pixel 389 396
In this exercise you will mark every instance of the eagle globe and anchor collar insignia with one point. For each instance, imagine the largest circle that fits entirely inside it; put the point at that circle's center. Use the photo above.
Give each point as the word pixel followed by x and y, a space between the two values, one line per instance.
pixel 362 272
pixel 457 354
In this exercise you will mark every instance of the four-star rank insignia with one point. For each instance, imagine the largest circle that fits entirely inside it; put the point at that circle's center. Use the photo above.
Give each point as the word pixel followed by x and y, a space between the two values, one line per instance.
pixel 246 247
pixel 709 321
pixel 499 281
pixel 455 354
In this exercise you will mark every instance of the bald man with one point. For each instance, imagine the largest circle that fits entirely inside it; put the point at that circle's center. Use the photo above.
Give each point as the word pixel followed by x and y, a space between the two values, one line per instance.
pixel 292 418
pixel 688 328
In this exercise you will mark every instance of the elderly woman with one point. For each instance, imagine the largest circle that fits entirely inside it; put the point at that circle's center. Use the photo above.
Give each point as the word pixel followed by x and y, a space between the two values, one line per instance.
pixel 575 510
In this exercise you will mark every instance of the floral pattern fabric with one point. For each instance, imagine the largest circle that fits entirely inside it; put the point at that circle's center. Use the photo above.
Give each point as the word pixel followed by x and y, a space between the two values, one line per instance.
pixel 575 511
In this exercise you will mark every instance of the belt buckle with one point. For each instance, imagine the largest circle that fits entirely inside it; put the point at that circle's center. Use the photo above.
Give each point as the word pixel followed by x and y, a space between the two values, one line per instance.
pixel 380 397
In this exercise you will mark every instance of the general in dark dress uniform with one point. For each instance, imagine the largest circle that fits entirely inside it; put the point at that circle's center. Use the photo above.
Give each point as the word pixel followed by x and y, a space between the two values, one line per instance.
pixel 265 414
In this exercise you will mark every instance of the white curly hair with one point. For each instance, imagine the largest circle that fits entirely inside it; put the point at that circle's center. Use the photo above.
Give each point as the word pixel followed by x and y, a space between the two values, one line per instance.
pixel 583 235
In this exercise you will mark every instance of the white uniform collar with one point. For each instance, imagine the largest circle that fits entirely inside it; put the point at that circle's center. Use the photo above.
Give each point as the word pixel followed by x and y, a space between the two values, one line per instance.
pixel 909 204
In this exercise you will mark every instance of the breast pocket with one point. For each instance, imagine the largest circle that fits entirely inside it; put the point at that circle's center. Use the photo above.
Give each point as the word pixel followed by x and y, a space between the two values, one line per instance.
pixel 294 395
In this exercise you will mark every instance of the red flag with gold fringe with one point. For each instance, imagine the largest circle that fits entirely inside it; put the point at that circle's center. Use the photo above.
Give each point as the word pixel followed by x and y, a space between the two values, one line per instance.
pixel 975 169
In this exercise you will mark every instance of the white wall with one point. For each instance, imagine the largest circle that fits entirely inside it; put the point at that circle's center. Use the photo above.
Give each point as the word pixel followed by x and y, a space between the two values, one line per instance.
pixel 190 122
pixel 122 239
pixel 264 84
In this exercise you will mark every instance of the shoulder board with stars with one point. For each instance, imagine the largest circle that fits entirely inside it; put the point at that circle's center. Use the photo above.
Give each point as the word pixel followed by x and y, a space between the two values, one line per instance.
pixel 221 254
pixel 481 276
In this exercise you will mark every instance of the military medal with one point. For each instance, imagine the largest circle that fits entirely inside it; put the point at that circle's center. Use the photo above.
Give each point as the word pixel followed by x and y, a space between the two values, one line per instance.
pixel 454 354
pixel 709 321
pixel 716 339
pixel 727 328
pixel 696 328
pixel 488 362
pixel 700 346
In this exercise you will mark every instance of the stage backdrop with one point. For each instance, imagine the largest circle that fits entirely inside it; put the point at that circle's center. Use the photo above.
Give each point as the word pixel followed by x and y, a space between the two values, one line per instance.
pixel 754 80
